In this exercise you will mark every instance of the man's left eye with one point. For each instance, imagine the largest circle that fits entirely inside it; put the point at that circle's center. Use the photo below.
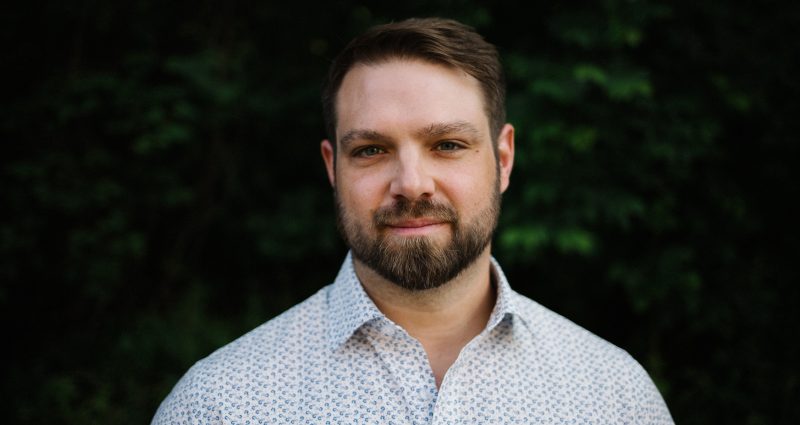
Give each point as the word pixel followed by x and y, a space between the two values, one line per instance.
pixel 448 146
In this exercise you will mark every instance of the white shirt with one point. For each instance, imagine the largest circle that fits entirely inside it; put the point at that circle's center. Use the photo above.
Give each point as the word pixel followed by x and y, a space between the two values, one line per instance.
pixel 335 358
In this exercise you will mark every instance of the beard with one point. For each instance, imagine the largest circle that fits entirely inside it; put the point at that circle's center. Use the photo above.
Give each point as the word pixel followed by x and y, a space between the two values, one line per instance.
pixel 418 263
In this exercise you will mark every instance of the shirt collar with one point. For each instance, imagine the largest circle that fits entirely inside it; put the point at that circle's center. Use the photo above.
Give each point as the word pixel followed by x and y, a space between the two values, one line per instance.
pixel 506 303
pixel 349 306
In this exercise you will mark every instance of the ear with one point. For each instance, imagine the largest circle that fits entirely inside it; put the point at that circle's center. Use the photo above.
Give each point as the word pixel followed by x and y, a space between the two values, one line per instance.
pixel 328 156
pixel 505 155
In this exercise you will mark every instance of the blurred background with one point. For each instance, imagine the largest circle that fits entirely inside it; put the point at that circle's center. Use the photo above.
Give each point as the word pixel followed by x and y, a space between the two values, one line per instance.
pixel 162 190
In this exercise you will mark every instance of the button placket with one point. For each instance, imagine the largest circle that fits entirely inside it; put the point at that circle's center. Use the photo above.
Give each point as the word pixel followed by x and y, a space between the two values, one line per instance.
pixel 405 359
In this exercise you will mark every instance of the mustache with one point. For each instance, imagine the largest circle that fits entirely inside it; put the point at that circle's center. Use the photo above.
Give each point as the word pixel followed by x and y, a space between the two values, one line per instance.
pixel 405 209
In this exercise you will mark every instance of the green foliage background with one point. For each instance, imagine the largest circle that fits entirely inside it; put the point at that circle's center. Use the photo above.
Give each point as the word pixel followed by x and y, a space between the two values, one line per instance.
pixel 162 191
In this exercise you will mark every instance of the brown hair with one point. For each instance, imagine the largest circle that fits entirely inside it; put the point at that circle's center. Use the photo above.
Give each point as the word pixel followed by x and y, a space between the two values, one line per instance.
pixel 436 40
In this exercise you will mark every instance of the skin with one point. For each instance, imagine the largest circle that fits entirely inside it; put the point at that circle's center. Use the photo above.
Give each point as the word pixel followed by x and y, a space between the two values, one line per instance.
pixel 412 129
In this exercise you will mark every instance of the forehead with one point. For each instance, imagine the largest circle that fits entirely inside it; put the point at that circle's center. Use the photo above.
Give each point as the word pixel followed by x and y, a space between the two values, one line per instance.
pixel 405 94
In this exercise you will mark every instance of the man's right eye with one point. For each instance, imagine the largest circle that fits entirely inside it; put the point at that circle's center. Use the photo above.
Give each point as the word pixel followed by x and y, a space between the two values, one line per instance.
pixel 368 151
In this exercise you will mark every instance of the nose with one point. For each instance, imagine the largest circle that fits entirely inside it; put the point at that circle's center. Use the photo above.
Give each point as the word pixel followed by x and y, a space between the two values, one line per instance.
pixel 412 179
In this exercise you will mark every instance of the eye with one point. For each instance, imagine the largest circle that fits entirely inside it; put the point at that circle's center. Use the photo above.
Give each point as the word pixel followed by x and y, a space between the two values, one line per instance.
pixel 368 151
pixel 448 145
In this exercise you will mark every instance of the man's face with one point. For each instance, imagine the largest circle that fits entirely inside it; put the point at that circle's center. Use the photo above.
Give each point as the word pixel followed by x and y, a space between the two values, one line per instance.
pixel 416 177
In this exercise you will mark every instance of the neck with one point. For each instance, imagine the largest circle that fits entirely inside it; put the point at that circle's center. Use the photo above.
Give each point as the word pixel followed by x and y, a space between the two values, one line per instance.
pixel 443 319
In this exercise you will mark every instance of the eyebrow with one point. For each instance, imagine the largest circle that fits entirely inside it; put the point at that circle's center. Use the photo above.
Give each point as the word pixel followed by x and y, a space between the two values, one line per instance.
pixel 433 130
pixel 362 134
pixel 441 129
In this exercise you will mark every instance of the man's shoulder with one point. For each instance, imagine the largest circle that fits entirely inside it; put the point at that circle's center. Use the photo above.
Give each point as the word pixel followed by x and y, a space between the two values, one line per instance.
pixel 303 325
pixel 562 339
pixel 588 363
pixel 254 362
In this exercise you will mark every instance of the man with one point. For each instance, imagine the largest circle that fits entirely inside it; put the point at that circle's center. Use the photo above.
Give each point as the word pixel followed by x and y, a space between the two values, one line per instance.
pixel 420 325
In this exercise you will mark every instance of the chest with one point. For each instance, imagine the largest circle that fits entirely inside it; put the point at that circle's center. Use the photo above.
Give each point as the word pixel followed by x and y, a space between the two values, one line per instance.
pixel 389 380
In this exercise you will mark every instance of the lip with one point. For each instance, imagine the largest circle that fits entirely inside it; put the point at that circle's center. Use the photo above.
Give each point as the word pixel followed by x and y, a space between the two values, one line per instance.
pixel 415 223
pixel 415 226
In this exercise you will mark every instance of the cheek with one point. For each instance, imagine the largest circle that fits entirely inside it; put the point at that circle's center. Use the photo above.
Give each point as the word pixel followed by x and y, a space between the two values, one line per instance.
pixel 361 193
pixel 469 187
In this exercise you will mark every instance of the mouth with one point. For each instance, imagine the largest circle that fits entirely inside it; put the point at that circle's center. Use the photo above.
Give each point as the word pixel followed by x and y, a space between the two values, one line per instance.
pixel 415 226
pixel 421 218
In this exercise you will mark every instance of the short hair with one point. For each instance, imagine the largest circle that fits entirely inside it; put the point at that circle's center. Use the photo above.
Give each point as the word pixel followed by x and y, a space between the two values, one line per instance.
pixel 435 40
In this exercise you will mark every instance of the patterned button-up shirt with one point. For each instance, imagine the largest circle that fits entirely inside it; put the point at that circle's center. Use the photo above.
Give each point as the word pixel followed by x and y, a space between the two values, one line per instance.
pixel 335 358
